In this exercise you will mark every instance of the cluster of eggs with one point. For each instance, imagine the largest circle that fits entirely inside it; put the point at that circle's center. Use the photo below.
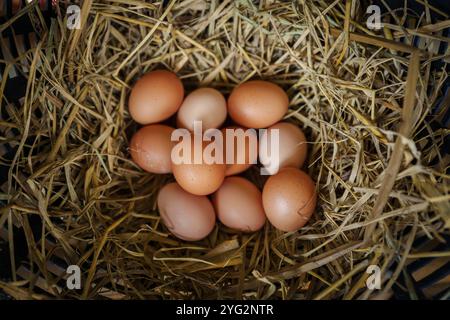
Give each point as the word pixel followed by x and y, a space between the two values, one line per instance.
pixel 203 192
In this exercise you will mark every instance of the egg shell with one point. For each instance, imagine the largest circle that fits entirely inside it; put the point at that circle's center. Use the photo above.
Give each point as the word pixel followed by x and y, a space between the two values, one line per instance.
pixel 251 156
pixel 257 104
pixel 155 97
pixel 204 104
pixel 293 148
pixel 150 148
pixel 187 216
pixel 289 199
pixel 199 178
pixel 238 204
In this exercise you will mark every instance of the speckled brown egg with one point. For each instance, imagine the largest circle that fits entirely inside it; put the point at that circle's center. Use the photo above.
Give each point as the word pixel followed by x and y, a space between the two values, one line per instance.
pixel 206 105
pixel 198 178
pixel 150 148
pixel 187 216
pixel 257 104
pixel 155 97
pixel 292 147
pixel 238 204
pixel 289 199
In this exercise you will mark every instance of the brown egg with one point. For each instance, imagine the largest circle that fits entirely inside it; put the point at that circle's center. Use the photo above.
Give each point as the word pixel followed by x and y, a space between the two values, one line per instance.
pixel 289 199
pixel 238 205
pixel 206 105
pixel 292 147
pixel 151 147
pixel 198 178
pixel 249 152
pixel 155 97
pixel 187 216
pixel 257 104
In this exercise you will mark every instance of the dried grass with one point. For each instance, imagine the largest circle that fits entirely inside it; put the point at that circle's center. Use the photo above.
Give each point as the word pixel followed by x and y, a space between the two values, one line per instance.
pixel 372 151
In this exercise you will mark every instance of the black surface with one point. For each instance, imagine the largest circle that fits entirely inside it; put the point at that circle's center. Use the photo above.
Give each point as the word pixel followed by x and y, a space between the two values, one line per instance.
pixel 281 309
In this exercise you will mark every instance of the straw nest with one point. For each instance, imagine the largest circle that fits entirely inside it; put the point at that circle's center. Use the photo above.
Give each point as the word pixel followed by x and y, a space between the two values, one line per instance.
pixel 377 163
